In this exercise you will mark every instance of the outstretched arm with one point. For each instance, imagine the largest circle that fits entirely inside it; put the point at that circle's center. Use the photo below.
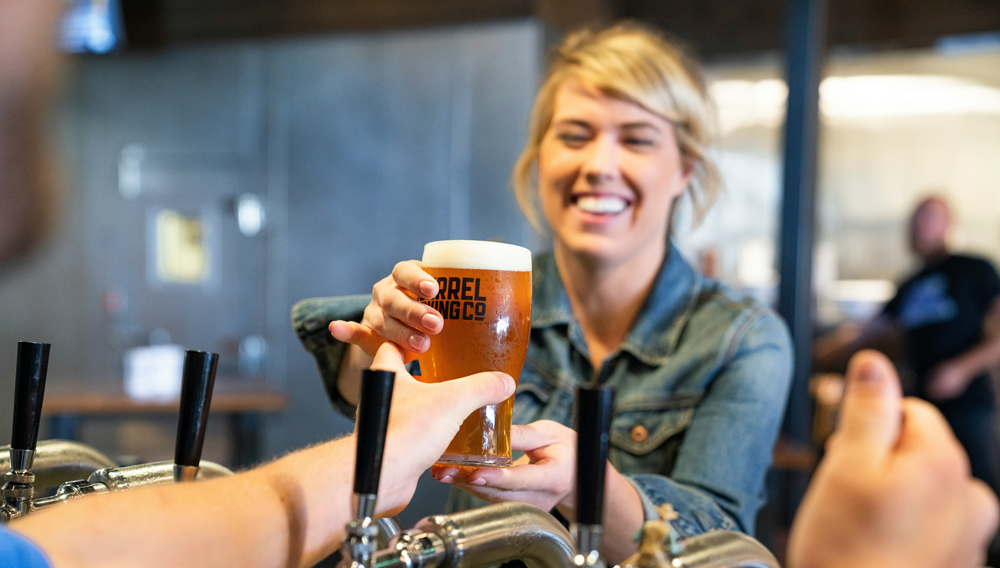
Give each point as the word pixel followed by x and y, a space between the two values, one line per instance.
pixel 288 513
pixel 832 351
pixel 951 377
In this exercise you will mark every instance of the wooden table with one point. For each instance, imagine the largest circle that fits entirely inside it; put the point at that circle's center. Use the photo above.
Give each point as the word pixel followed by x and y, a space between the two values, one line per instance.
pixel 790 455
pixel 242 402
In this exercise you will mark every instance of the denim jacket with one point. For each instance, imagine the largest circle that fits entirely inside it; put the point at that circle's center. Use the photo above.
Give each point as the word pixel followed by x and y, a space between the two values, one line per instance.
pixel 701 382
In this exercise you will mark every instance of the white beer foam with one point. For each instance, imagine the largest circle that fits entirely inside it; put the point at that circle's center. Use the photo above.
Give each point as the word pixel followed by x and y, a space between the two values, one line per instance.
pixel 479 255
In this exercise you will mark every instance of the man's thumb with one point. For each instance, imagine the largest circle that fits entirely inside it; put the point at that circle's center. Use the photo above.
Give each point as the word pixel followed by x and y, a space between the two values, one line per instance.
pixel 481 389
pixel 871 410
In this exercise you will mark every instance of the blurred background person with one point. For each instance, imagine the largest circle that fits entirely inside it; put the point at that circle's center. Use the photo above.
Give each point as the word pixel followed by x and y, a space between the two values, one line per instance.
pixel 948 315
pixel 29 68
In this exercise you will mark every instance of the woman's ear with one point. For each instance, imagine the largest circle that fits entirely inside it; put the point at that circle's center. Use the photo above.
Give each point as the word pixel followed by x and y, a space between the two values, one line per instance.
pixel 687 167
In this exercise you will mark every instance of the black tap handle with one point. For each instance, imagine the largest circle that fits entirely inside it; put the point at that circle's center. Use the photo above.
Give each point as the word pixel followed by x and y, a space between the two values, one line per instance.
pixel 593 424
pixel 29 388
pixel 196 396
pixel 373 421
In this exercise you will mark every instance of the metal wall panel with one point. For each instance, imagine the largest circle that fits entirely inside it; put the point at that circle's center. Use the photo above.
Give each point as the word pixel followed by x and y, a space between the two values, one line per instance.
pixel 363 147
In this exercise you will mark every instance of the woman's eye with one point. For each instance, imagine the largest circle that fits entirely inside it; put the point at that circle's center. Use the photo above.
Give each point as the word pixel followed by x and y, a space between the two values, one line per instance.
pixel 571 138
pixel 639 141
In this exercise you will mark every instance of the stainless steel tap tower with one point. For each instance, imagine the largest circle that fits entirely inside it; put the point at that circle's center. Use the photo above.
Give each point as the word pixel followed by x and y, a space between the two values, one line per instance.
pixel 510 531
pixel 361 542
pixel 62 457
pixel 593 425
pixel 29 387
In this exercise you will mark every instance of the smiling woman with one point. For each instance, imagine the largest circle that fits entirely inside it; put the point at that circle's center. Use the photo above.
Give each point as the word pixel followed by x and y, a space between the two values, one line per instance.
pixel 619 131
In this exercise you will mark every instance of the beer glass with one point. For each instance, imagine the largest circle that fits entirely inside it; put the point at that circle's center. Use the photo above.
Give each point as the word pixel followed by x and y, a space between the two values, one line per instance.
pixel 485 300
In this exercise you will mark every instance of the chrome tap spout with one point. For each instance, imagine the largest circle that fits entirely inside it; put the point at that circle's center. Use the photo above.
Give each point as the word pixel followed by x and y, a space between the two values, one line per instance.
pixel 59 461
pixel 149 474
pixel 483 537
pixel 723 549
pixel 124 478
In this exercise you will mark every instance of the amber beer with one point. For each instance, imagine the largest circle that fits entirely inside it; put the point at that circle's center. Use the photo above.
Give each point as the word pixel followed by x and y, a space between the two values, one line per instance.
pixel 485 300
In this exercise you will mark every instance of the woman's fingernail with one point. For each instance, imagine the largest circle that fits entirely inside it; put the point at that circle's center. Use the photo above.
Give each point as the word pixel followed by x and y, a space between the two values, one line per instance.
pixel 427 289
pixel 416 342
pixel 477 481
pixel 447 479
pixel 431 321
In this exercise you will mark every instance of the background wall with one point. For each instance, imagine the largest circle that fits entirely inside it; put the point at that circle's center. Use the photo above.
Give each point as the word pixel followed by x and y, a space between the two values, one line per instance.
pixel 362 148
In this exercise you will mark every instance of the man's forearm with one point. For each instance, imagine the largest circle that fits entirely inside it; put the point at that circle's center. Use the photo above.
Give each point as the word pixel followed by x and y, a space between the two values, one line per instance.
pixel 288 513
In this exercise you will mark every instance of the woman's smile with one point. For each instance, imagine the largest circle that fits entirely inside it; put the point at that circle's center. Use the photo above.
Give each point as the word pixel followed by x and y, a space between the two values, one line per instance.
pixel 609 171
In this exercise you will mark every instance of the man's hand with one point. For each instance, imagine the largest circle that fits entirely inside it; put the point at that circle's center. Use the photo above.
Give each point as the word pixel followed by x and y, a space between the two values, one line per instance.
pixel 894 489
pixel 424 419
pixel 948 380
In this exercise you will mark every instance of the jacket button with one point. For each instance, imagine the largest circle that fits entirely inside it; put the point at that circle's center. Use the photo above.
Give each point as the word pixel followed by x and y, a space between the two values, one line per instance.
pixel 639 434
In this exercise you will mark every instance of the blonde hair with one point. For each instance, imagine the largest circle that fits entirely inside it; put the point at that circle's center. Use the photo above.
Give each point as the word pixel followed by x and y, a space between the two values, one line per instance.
pixel 635 64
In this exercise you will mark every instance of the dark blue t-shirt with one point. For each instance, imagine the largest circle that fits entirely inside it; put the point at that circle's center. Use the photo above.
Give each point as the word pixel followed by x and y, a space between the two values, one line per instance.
pixel 19 552
pixel 942 310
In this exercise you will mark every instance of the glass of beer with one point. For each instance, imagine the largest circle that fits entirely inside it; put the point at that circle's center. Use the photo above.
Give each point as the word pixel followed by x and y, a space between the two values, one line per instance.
pixel 485 300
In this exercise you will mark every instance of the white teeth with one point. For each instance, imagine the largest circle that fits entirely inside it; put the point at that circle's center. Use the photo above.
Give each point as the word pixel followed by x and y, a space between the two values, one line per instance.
pixel 602 204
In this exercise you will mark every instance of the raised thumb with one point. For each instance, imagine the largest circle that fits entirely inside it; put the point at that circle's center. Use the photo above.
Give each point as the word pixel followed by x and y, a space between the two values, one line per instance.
pixel 479 390
pixel 871 412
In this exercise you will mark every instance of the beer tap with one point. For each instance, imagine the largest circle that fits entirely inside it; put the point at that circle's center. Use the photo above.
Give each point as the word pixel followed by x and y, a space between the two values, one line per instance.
pixel 18 489
pixel 593 422
pixel 196 394
pixel 361 541
pixel 499 533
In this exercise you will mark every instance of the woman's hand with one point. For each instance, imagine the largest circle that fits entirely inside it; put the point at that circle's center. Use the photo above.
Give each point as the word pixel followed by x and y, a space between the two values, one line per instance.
pixel 394 314
pixel 545 476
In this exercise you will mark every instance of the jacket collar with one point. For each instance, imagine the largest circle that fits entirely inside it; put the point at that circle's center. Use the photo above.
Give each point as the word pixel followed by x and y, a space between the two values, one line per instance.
pixel 660 321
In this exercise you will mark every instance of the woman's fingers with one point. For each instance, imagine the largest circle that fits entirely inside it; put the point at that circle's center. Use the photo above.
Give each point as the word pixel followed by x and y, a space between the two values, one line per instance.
pixel 400 306
pixel 390 328
pixel 538 476
pixel 409 275
pixel 501 496
pixel 357 334
pixel 537 435
pixel 396 315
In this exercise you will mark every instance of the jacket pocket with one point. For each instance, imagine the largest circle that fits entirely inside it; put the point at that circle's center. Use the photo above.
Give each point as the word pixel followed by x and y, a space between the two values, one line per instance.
pixel 641 426
pixel 531 397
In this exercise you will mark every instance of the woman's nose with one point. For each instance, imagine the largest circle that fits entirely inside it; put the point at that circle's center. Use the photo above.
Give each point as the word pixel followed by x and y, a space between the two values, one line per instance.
pixel 601 162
